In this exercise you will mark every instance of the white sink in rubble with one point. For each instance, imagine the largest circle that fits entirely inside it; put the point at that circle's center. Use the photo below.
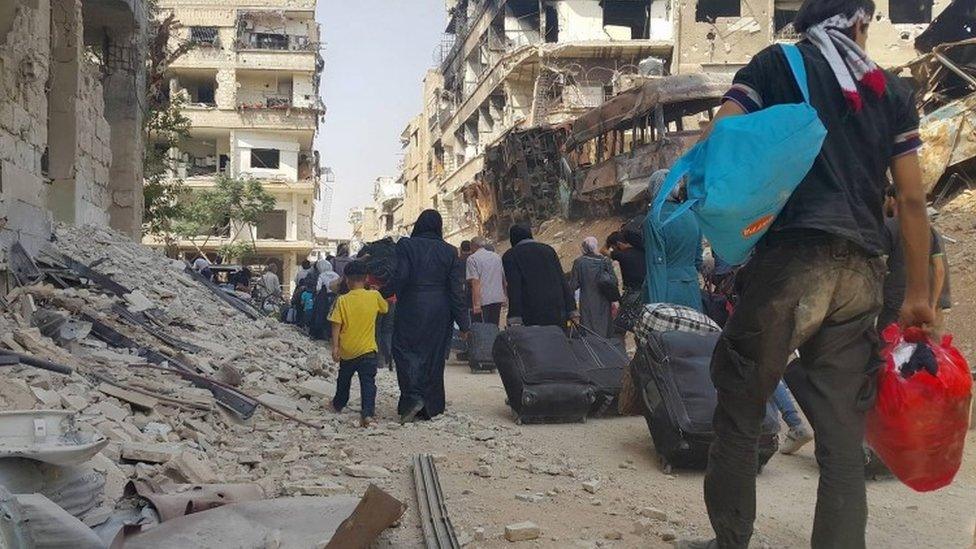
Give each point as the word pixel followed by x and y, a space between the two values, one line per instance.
pixel 51 436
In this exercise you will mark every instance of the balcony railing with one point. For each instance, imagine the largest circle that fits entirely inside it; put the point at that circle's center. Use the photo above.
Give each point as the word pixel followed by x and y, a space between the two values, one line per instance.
pixel 274 42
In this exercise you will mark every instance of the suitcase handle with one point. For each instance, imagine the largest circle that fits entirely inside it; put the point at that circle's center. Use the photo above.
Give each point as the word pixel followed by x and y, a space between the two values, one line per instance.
pixel 582 328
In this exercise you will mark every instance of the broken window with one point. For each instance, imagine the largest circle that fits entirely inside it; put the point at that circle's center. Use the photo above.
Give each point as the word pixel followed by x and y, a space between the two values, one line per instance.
pixel 206 94
pixel 910 11
pixel 628 13
pixel 710 10
pixel 552 24
pixel 265 158
pixel 272 225
pixel 203 36
pixel 268 41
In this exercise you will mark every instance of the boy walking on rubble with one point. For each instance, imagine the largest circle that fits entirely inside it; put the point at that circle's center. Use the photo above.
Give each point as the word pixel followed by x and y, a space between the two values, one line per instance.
pixel 814 283
pixel 354 341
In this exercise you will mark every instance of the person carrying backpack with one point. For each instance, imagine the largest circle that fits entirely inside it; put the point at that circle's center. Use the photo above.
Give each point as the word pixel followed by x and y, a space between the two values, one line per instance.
pixel 814 280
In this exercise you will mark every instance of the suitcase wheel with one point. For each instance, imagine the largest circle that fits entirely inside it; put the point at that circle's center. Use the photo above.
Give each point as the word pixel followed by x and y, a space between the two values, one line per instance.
pixel 518 421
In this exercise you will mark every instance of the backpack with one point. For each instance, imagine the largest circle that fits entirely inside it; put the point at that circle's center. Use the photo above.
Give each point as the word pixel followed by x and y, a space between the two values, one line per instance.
pixel 741 176
pixel 380 259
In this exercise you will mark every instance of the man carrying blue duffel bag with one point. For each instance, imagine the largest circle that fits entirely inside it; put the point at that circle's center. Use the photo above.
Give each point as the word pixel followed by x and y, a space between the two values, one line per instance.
pixel 813 282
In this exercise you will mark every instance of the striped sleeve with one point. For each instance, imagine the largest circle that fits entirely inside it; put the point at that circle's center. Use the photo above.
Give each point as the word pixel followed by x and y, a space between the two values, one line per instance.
pixel 906 143
pixel 906 139
pixel 745 97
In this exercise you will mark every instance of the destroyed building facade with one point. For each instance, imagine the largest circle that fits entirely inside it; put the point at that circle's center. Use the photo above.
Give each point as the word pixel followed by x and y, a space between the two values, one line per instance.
pixel 251 81
pixel 510 66
pixel 72 81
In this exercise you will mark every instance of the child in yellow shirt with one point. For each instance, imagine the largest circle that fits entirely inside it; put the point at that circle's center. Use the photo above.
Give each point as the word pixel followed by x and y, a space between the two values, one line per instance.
pixel 354 340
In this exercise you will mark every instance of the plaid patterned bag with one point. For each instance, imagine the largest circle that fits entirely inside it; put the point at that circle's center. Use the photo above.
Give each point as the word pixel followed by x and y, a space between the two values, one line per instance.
pixel 658 317
pixel 665 317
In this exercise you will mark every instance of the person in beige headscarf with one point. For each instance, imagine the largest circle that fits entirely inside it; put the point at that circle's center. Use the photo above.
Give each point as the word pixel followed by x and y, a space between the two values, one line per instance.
pixel 595 306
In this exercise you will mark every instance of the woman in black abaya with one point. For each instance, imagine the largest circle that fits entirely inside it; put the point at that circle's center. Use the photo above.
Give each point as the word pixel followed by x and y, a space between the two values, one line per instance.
pixel 429 285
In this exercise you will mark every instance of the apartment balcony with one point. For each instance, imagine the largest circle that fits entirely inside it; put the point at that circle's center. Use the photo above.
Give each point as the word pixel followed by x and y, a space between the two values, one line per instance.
pixel 217 58
pixel 257 118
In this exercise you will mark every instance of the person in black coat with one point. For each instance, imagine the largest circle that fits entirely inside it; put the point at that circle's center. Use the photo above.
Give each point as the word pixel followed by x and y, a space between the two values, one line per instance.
pixel 429 284
pixel 538 294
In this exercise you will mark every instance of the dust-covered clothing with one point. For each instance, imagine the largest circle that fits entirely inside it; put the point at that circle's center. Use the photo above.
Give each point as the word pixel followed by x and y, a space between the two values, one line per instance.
pixel 836 288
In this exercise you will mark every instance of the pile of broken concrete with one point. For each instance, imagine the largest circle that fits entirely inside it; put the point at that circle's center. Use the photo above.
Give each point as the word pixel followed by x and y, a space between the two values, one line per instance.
pixel 140 404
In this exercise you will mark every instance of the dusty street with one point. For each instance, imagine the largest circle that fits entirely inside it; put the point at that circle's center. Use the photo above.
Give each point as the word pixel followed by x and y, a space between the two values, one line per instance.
pixel 536 473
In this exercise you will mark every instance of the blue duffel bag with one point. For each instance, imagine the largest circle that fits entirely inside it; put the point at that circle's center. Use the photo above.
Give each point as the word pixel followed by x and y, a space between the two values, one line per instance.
pixel 740 177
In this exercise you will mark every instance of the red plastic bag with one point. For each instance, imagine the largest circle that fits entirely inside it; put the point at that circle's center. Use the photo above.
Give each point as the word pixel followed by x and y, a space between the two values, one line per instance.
pixel 918 425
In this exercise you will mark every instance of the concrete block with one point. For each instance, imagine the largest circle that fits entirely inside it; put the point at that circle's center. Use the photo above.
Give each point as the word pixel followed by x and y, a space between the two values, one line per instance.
pixel 318 388
pixel 522 531
pixel 591 486
pixel 654 513
pixel 149 453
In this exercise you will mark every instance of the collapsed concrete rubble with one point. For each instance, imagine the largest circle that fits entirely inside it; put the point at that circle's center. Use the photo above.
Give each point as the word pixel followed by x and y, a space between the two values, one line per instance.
pixel 134 395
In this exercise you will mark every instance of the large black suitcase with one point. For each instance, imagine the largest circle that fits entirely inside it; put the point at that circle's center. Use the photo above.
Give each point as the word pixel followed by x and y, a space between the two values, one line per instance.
pixel 603 361
pixel 481 339
pixel 543 380
pixel 673 377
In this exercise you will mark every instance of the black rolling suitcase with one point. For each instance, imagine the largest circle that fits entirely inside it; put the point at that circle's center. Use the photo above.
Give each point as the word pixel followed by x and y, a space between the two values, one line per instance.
pixel 603 361
pixel 543 380
pixel 673 377
pixel 480 342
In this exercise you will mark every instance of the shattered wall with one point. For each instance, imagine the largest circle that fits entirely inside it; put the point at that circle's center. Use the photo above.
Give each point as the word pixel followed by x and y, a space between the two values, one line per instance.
pixel 724 42
pixel 70 116
pixel 24 55
pixel 92 198
pixel 722 35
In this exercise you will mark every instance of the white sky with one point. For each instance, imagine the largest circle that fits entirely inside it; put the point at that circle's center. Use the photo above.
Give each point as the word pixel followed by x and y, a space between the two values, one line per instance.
pixel 376 54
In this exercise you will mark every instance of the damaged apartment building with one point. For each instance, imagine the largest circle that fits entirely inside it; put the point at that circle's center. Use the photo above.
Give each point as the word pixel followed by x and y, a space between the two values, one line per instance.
pixel 72 82
pixel 516 75
pixel 251 81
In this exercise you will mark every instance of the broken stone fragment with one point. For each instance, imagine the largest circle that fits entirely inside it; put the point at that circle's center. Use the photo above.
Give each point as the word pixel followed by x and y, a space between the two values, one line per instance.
pixel 317 388
pixel 138 400
pixel 230 375
pixel 188 469
pixel 249 459
pixel 15 394
pixel 280 402
pixel 654 513
pixel 591 486
pixel 48 398
pixel 522 531
pixel 365 471
pixel 138 302
pixel 322 489
pixel 149 453
pixel 107 410
pixel 74 402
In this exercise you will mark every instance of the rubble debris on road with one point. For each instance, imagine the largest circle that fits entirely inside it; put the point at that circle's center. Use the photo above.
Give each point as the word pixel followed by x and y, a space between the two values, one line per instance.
pixel 122 367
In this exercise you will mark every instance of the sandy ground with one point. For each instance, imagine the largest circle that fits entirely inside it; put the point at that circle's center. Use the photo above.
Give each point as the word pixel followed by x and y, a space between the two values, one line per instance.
pixel 551 462
pixel 618 452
